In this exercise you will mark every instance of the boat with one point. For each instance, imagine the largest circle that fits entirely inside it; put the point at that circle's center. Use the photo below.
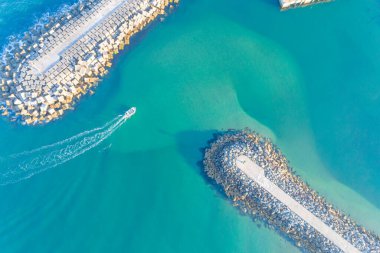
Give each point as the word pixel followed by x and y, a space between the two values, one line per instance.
pixel 129 113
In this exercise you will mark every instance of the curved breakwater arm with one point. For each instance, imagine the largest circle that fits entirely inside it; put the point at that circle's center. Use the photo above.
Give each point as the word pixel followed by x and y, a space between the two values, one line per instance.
pixel 53 65
pixel 256 176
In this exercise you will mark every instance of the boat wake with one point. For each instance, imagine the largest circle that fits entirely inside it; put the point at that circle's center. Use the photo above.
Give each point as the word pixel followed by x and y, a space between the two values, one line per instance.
pixel 18 167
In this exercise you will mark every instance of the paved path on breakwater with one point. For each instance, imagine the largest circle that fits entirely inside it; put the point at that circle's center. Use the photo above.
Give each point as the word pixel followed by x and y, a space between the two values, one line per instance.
pixel 256 173
pixel 42 64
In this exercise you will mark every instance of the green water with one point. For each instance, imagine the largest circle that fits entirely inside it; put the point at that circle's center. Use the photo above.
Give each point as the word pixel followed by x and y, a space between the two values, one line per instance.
pixel 307 78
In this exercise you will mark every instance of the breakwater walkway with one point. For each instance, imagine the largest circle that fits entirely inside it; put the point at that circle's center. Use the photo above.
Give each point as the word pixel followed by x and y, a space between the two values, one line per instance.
pixel 84 25
pixel 256 173
pixel 57 61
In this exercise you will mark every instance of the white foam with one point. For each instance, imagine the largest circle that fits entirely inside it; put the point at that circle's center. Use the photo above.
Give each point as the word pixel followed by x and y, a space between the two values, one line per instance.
pixel 21 166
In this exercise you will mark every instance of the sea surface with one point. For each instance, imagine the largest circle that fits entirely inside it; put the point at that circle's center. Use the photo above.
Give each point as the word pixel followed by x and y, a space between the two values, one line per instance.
pixel 307 78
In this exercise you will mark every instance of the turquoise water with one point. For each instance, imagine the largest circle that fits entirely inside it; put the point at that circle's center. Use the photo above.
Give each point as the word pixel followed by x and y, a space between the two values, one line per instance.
pixel 307 78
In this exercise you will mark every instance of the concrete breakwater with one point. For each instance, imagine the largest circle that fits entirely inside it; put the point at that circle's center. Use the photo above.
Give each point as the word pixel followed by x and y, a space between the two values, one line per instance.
pixel 258 179
pixel 63 57
pixel 287 4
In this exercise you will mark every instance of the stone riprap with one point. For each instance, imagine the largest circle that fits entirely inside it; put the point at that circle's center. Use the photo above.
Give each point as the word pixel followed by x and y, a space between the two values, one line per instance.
pixel 287 4
pixel 261 199
pixel 61 58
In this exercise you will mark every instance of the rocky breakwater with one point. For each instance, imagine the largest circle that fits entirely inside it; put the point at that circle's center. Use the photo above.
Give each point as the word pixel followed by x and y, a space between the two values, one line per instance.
pixel 61 58
pixel 287 4
pixel 221 164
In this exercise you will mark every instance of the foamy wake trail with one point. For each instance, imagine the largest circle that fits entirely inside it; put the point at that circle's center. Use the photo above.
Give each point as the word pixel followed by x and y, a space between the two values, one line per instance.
pixel 23 165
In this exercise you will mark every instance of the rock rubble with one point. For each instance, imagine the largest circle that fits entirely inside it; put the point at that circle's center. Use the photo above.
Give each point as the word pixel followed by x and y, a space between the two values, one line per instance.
pixel 37 86
pixel 220 165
